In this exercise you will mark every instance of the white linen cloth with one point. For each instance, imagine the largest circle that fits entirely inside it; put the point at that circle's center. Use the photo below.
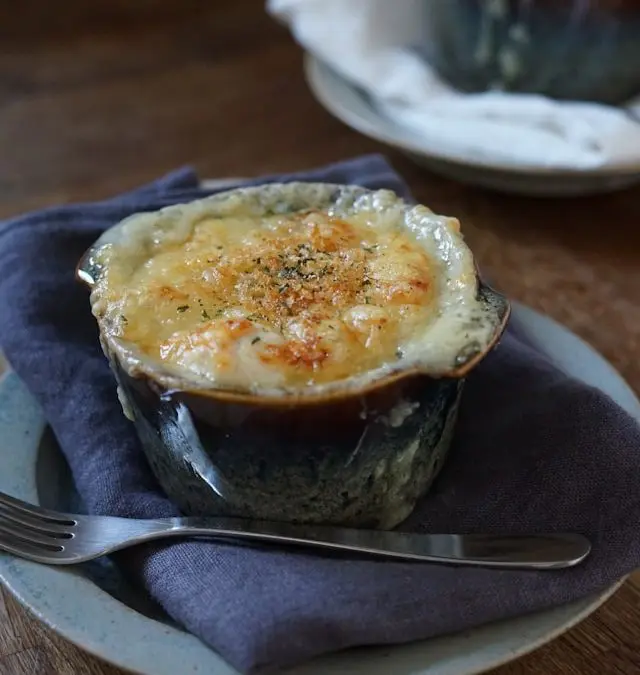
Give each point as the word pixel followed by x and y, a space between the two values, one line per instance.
pixel 366 42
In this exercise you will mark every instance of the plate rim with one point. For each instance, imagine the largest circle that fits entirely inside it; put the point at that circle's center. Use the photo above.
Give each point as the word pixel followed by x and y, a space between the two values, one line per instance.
pixel 12 571
pixel 316 73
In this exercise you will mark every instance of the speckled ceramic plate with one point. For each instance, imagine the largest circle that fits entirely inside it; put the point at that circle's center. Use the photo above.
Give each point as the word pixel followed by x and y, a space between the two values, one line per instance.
pixel 94 608
pixel 354 108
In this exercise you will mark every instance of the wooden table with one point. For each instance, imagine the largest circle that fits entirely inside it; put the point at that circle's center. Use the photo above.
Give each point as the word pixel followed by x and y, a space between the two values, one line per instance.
pixel 99 97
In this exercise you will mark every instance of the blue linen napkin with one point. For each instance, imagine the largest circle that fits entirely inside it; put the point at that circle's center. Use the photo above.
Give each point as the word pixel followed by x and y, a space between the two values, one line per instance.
pixel 534 450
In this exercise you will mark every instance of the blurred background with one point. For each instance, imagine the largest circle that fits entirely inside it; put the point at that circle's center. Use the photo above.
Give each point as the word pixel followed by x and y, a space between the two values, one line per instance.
pixel 97 97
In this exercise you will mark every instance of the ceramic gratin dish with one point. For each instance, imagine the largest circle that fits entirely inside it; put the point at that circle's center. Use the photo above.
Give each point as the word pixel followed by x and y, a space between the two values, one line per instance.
pixel 359 449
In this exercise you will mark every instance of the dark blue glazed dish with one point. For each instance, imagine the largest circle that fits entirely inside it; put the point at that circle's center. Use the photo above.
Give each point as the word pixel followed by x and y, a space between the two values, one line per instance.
pixel 359 455
pixel 587 50
pixel 319 465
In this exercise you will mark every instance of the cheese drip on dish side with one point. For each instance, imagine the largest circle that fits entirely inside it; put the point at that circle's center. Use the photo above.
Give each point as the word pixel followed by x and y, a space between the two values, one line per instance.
pixel 279 301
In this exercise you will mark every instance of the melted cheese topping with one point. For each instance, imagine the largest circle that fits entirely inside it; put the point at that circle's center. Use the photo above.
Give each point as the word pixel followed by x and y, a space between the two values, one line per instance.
pixel 276 301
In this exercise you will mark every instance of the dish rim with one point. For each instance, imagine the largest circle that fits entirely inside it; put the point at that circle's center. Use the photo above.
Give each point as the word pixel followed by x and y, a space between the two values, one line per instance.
pixel 397 136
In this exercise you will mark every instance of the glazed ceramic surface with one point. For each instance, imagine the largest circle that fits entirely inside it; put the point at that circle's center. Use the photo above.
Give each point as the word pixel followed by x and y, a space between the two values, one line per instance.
pixel 369 475
pixel 354 108
pixel 564 49
pixel 361 453
pixel 93 607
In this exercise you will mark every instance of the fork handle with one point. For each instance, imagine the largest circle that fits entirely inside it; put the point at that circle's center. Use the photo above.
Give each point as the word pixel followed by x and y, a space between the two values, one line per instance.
pixel 538 551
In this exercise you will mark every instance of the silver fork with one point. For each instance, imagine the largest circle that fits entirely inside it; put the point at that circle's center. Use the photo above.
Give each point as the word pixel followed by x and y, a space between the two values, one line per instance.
pixel 54 538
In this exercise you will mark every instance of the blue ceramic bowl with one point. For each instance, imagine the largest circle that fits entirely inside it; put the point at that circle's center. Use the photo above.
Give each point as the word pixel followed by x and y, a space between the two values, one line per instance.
pixel 585 50
pixel 361 454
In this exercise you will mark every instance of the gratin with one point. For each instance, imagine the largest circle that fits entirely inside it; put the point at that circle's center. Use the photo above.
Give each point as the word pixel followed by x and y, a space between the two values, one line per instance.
pixel 292 352
pixel 238 294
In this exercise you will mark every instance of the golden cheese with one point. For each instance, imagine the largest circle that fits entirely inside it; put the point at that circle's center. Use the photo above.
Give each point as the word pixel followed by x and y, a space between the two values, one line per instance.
pixel 287 290
pixel 292 300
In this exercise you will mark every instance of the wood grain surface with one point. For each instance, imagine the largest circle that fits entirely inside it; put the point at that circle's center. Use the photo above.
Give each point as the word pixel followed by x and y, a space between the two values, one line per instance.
pixel 99 97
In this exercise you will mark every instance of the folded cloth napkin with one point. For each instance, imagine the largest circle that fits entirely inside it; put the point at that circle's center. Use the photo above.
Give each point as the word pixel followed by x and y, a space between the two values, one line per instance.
pixel 534 450
pixel 371 43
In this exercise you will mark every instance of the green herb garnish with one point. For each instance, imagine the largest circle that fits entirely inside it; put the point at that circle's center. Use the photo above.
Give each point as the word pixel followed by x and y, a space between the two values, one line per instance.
pixel 182 308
